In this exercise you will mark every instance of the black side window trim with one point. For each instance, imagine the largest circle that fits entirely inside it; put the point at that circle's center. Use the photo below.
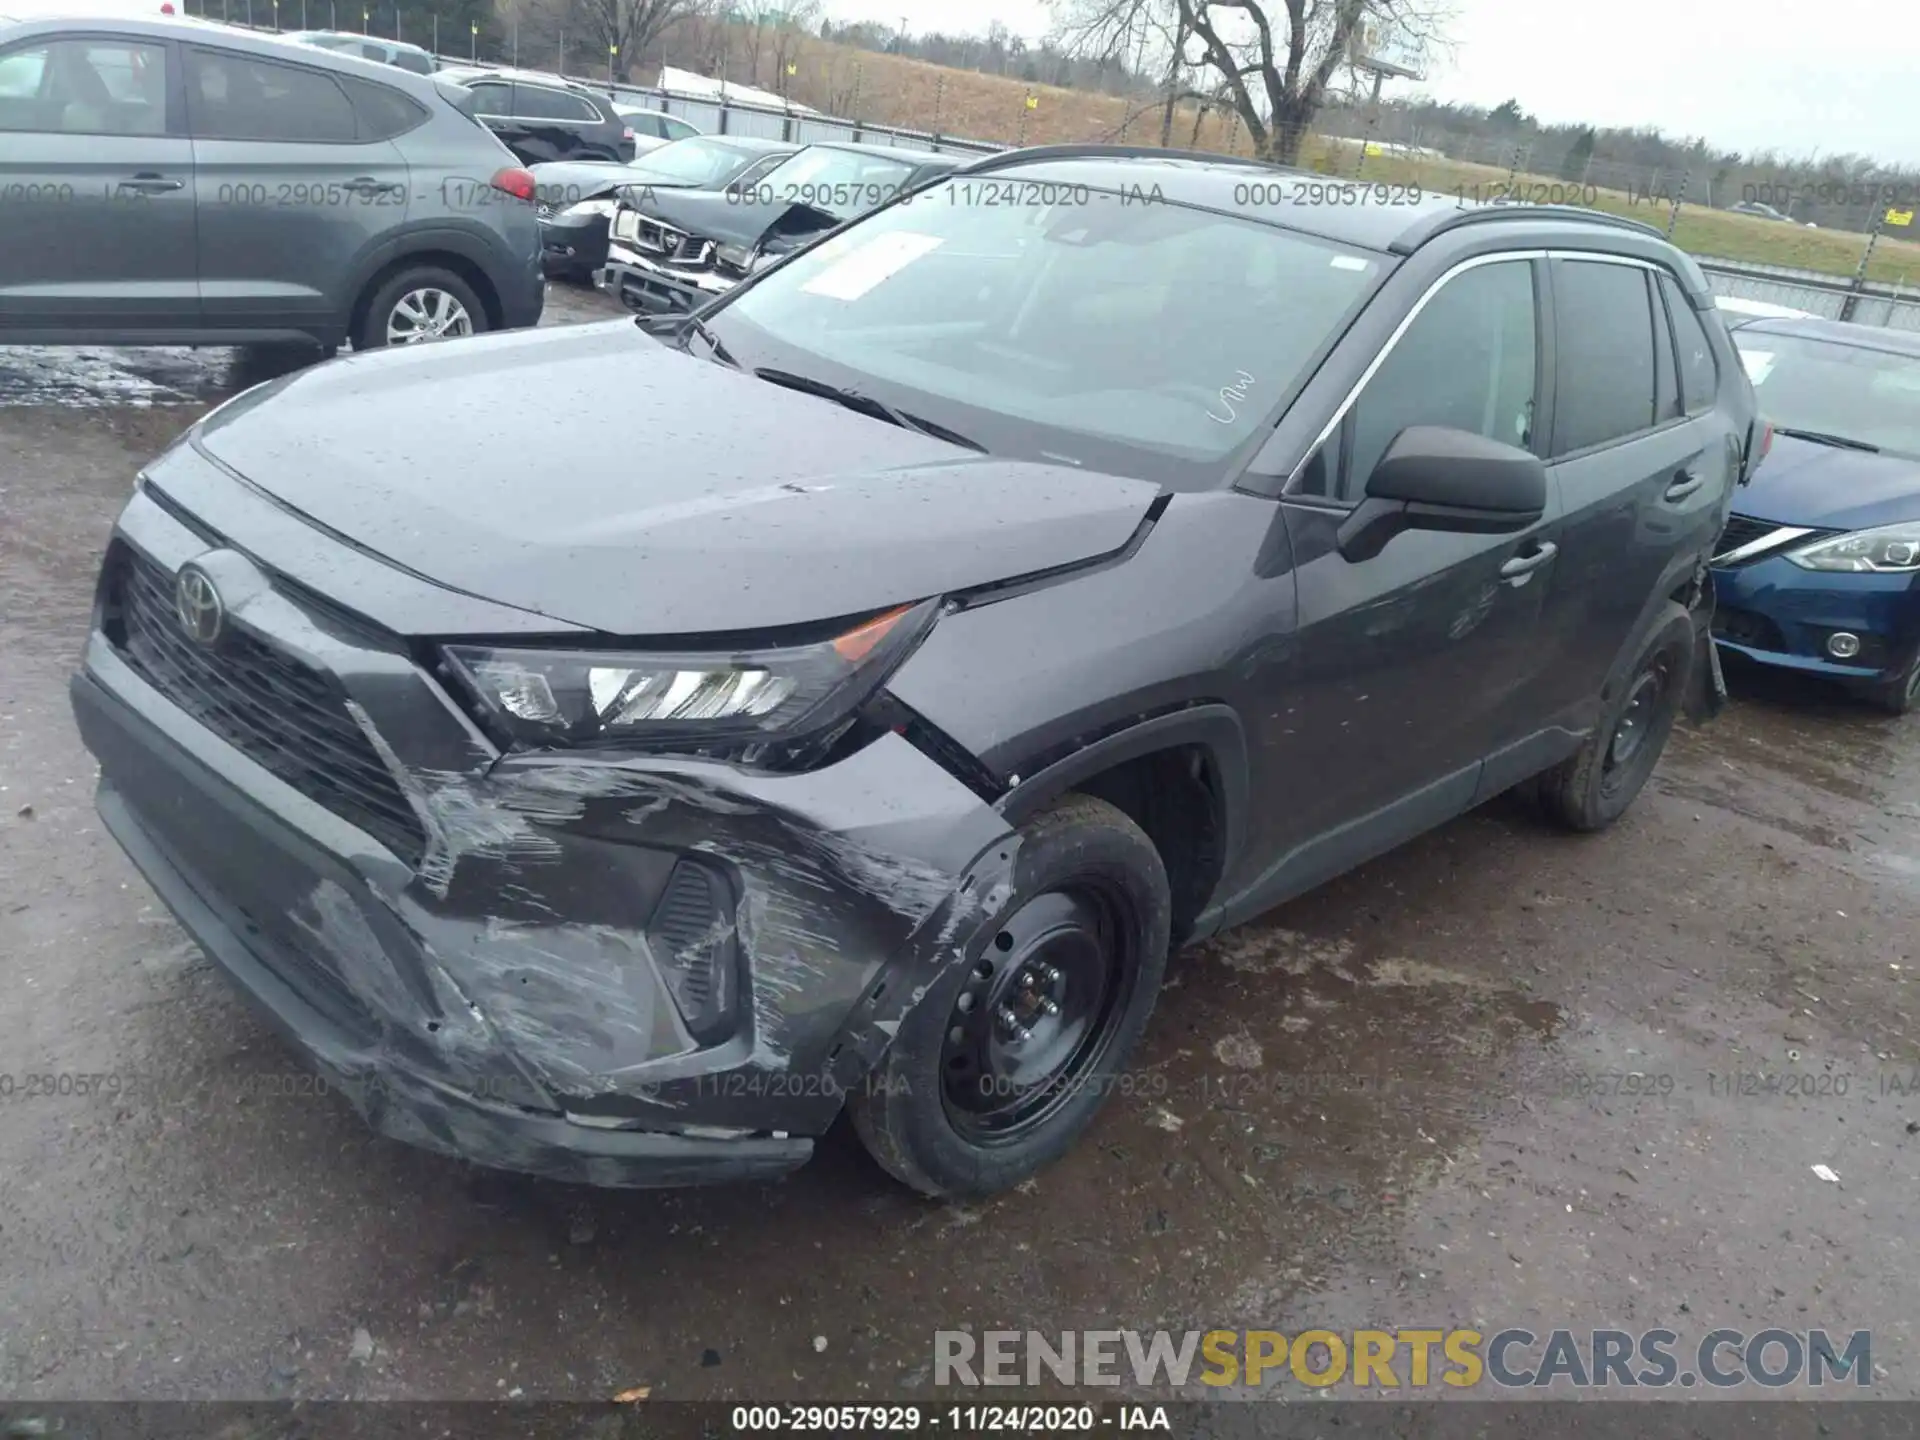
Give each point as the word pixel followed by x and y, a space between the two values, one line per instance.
pixel 175 124
pixel 1671 290
pixel 506 90
pixel 1651 270
pixel 413 107
pixel 186 95
pixel 578 99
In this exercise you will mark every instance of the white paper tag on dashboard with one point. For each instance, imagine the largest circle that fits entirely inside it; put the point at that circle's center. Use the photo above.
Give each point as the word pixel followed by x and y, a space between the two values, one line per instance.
pixel 865 266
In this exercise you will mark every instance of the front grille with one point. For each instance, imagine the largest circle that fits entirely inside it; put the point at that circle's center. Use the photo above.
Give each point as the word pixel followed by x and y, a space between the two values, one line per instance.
pixel 290 719
pixel 1741 530
pixel 663 240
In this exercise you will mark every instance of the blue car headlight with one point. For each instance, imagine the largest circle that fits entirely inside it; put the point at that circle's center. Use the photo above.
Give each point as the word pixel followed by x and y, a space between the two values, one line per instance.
pixel 1883 550
pixel 747 704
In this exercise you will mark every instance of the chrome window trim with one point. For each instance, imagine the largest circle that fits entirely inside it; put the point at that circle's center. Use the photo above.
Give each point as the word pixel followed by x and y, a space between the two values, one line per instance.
pixel 1406 322
pixel 1772 540
pixel 1471 263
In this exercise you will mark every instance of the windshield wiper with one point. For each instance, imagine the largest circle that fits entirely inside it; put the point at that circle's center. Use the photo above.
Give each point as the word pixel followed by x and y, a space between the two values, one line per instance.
pixel 1820 437
pixel 694 325
pixel 868 405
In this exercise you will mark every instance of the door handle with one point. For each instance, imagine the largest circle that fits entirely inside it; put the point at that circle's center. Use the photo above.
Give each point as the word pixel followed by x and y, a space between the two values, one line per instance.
pixel 1520 567
pixel 1684 484
pixel 368 185
pixel 148 183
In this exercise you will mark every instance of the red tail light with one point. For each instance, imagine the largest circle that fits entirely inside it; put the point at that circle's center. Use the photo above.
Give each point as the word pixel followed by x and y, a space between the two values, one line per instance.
pixel 627 134
pixel 166 9
pixel 1766 441
pixel 515 181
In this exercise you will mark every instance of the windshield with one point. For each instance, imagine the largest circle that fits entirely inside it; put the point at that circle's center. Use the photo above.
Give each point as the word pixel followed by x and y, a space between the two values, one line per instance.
pixel 844 183
pixel 1871 396
pixel 1103 330
pixel 701 163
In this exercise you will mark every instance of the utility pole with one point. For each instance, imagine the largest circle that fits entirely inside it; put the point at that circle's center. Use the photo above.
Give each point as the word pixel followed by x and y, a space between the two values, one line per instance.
pixel 1852 301
pixel 1673 215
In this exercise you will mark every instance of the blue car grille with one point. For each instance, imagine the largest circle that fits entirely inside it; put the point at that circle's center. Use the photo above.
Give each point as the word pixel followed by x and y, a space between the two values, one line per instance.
pixel 1741 530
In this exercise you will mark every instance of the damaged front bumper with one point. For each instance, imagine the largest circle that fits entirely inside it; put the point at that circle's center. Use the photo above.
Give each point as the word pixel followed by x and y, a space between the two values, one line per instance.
pixel 618 971
pixel 647 287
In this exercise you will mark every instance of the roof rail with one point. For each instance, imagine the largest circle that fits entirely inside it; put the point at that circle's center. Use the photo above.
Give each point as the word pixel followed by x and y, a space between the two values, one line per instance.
pixel 1001 159
pixel 1424 229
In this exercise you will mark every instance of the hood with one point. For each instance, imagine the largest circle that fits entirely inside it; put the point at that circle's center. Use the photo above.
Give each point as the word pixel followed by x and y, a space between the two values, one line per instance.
pixel 711 214
pixel 563 182
pixel 1802 482
pixel 595 475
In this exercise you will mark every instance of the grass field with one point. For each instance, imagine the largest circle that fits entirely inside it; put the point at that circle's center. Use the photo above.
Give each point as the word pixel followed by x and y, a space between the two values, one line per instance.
pixel 894 90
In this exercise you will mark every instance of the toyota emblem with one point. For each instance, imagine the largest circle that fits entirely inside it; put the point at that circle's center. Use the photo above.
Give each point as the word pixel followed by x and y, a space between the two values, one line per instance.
pixel 198 604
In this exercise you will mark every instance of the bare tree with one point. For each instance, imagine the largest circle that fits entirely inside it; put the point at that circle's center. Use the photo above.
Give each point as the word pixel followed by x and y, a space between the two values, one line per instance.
pixel 781 24
pixel 1273 61
pixel 625 27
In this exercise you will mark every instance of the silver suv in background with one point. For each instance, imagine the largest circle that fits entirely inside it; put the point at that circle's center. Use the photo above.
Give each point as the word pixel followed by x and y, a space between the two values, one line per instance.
pixel 368 47
pixel 176 183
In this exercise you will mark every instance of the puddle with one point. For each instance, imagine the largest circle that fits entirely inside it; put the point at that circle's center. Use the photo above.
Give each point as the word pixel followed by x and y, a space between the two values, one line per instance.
pixel 103 377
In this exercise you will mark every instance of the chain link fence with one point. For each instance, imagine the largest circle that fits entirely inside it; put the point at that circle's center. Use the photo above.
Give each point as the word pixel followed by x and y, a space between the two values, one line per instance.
pixel 1356 141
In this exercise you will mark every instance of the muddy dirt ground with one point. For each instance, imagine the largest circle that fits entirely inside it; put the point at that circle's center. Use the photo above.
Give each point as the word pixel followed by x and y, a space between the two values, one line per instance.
pixel 1390 1102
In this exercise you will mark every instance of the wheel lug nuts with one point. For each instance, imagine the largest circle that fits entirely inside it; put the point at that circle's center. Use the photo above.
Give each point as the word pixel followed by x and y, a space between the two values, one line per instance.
pixel 1026 980
pixel 1011 1021
pixel 1048 1007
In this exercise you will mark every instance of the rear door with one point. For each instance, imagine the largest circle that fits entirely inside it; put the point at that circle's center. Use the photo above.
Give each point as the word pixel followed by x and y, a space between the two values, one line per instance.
pixel 1641 461
pixel 493 108
pixel 554 124
pixel 298 180
pixel 96 188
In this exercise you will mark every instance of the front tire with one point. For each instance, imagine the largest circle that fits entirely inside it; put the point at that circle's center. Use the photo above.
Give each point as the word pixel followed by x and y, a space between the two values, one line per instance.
pixel 420 304
pixel 1593 787
pixel 1900 696
pixel 1006 1060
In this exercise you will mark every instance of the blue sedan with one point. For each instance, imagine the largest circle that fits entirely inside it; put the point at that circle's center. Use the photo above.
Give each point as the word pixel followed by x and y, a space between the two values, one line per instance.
pixel 1818 569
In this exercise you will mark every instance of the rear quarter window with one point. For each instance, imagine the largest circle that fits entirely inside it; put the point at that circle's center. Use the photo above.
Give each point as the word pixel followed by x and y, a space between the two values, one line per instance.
pixel 1699 374
pixel 380 113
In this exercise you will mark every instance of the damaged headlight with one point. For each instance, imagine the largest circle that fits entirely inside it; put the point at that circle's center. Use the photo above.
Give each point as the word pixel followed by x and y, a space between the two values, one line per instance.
pixel 724 703
pixel 735 257
pixel 1886 549
pixel 606 205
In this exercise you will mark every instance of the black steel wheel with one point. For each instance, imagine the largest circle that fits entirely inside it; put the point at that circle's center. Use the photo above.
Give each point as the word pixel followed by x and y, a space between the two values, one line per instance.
pixel 1037 1013
pixel 1003 1062
pixel 1645 717
pixel 1593 787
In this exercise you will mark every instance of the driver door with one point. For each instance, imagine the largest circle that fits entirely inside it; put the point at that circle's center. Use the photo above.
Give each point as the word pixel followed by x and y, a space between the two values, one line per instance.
pixel 1409 664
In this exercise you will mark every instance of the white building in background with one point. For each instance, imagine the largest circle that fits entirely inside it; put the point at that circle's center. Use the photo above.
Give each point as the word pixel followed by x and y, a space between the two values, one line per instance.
pixel 686 82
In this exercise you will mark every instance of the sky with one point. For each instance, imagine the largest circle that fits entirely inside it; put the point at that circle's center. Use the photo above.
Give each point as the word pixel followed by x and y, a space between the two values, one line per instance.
pixel 1749 75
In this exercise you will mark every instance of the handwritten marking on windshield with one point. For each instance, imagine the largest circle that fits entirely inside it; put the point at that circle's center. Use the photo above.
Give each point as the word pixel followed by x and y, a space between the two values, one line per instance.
pixel 1232 395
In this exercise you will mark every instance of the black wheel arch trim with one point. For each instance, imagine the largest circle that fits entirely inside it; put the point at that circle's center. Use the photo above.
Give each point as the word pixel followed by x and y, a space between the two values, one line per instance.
pixel 1214 728
pixel 473 245
pixel 948 935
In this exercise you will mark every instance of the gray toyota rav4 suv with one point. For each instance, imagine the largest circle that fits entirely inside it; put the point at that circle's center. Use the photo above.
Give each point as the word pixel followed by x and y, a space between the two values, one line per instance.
pixel 892 662
pixel 177 182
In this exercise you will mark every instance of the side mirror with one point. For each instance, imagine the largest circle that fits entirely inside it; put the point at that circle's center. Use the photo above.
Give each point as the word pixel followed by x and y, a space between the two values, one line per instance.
pixel 1434 477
